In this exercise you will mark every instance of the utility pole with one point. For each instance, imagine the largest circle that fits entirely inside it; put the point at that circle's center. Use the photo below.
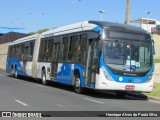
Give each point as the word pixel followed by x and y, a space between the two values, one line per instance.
pixel 127 12
pixel 101 13
pixel 148 14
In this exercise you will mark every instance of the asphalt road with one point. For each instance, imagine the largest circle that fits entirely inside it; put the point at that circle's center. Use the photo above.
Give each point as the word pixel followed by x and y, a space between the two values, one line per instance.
pixel 29 95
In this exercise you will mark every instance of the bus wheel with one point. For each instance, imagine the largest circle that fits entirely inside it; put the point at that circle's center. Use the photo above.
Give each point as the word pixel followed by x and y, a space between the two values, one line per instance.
pixel 16 74
pixel 13 72
pixel 77 85
pixel 44 81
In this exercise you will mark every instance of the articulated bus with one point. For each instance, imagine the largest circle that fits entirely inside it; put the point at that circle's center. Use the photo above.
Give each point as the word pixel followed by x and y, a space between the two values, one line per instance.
pixel 91 54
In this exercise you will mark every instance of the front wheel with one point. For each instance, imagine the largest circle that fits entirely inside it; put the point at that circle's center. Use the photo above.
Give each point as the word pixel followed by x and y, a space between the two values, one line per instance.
pixel 44 81
pixel 77 85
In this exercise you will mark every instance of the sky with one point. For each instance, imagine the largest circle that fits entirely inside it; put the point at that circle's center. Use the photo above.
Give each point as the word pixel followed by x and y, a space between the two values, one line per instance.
pixel 33 15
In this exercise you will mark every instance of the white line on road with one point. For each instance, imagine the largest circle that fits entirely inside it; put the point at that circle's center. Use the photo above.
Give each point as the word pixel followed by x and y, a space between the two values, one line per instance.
pixel 60 105
pixel 22 103
pixel 94 101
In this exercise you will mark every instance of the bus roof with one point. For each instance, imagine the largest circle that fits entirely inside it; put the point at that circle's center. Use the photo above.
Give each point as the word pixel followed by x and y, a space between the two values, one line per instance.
pixel 24 39
pixel 119 26
pixel 81 26
pixel 89 25
pixel 77 27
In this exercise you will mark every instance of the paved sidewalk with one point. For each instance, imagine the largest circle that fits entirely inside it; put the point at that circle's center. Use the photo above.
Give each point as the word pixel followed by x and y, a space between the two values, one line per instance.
pixel 157 78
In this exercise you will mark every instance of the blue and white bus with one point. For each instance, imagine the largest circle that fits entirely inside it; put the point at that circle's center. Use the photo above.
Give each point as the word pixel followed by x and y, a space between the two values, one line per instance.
pixel 91 54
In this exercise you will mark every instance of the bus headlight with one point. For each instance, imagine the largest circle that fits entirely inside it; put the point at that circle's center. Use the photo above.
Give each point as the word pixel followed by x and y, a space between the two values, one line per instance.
pixel 149 78
pixel 107 75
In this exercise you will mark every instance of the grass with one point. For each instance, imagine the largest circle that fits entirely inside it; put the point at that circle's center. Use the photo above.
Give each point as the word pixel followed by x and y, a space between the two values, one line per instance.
pixel 156 60
pixel 155 92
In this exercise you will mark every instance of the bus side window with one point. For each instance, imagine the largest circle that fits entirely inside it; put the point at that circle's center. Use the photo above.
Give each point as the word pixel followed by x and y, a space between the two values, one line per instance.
pixel 45 50
pixel 22 52
pixel 65 49
pixel 73 48
pixel 13 52
pixel 40 51
pixel 81 50
pixel 49 52
pixel 10 52
pixel 18 52
pixel 26 51
pixel 30 51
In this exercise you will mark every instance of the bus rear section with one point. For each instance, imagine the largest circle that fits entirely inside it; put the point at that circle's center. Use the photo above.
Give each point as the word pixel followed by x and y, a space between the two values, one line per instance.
pixel 20 56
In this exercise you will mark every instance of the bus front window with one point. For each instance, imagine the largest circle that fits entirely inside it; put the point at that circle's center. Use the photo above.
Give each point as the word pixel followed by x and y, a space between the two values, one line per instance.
pixel 127 56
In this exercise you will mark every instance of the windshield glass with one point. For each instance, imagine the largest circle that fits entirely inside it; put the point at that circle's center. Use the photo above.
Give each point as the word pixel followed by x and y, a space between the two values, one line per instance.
pixel 127 56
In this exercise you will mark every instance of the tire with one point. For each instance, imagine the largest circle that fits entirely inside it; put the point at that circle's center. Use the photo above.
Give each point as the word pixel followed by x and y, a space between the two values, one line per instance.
pixel 13 73
pixel 77 85
pixel 16 74
pixel 44 81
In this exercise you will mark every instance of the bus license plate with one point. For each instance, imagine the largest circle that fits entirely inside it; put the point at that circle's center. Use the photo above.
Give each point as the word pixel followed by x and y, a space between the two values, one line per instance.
pixel 129 87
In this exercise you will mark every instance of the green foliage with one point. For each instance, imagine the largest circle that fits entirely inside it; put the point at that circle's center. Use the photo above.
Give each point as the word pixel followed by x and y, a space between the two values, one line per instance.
pixel 39 31
pixel 43 30
pixel 32 33
pixel 156 60
pixel 156 90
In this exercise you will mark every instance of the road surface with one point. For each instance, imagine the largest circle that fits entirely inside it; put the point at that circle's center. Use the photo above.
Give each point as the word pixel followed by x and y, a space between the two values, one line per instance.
pixel 29 95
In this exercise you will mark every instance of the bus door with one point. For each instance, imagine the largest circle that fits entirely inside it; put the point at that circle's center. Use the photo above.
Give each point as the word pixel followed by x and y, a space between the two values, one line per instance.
pixel 56 52
pixel 92 62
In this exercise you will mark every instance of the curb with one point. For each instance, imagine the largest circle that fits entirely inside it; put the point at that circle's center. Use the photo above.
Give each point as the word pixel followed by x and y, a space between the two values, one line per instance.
pixel 143 96
pixel 154 98
pixel 134 94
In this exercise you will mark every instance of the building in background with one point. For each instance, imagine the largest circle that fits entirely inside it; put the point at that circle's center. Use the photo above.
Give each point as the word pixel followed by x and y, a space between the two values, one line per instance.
pixel 147 24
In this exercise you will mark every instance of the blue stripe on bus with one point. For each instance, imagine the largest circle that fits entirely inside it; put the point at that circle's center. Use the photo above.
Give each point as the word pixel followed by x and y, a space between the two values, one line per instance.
pixel 98 28
pixel 15 62
pixel 66 74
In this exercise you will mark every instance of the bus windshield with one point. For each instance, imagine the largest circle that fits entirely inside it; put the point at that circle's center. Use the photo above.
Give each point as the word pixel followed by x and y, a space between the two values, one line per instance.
pixel 127 56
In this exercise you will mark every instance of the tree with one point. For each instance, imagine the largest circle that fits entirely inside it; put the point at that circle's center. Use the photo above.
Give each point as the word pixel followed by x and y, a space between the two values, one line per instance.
pixel 32 33
pixel 39 31
pixel 43 30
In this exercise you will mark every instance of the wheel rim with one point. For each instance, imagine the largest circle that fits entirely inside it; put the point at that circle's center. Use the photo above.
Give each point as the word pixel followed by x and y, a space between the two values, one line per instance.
pixel 44 79
pixel 77 83
pixel 16 73
pixel 12 71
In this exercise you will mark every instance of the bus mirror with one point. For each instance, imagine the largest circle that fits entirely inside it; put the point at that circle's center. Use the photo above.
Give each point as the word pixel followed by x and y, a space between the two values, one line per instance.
pixel 153 47
pixel 99 35
pixel 100 45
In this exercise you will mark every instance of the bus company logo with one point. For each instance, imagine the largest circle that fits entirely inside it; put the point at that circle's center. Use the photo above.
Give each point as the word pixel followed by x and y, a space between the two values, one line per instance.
pixel 129 74
pixel 6 114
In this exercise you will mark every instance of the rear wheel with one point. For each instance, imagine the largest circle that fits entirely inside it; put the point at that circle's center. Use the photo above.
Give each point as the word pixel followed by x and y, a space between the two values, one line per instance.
pixel 16 74
pixel 13 72
pixel 77 85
